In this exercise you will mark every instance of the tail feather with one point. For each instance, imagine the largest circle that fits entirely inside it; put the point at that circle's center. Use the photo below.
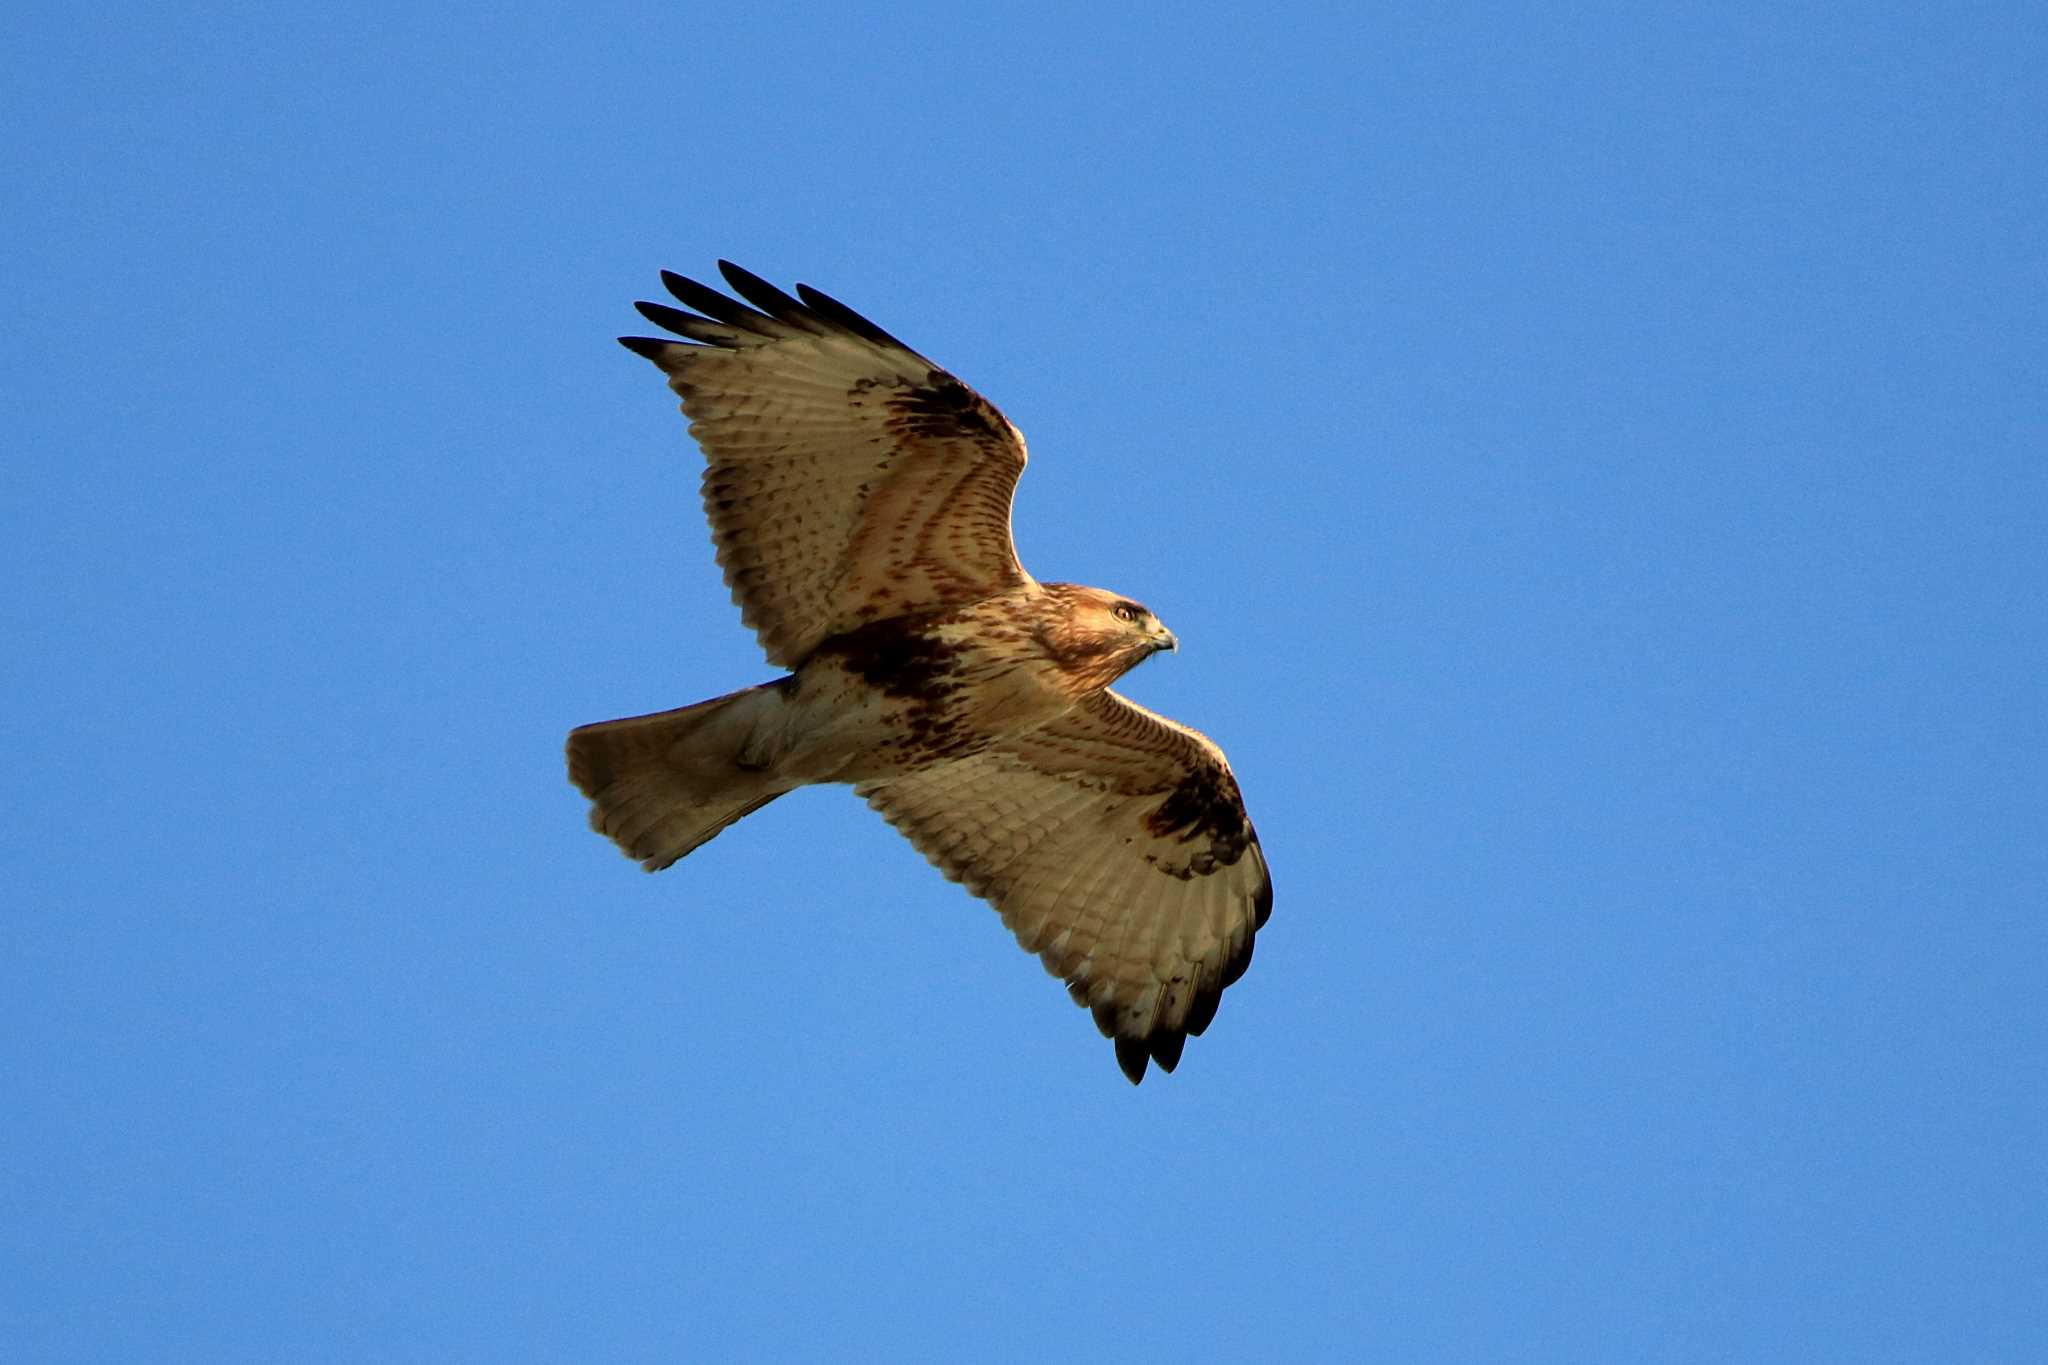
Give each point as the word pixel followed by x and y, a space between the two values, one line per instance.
pixel 663 785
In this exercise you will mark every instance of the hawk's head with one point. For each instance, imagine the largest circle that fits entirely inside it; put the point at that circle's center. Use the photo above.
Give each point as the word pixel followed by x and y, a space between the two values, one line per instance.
pixel 1096 637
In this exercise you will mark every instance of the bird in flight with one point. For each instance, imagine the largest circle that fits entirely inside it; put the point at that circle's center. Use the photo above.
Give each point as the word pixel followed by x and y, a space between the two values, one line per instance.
pixel 859 498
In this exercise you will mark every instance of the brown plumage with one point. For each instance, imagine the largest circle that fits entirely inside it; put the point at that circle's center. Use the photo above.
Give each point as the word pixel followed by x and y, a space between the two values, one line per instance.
pixel 859 497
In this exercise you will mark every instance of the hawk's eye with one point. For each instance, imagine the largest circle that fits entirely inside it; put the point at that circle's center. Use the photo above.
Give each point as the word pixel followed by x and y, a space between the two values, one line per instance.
pixel 1126 612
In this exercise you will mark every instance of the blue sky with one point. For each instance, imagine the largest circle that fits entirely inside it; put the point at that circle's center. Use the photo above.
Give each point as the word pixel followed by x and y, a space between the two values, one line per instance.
pixel 1592 457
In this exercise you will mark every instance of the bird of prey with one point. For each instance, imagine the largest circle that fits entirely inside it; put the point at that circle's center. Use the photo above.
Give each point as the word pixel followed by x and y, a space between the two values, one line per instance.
pixel 859 498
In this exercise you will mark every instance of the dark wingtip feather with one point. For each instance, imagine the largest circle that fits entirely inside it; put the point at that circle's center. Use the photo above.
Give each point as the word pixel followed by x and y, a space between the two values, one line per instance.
pixel 671 319
pixel 1202 1012
pixel 1166 1049
pixel 838 314
pixel 650 347
pixel 1132 1055
pixel 711 303
pixel 1239 965
pixel 764 295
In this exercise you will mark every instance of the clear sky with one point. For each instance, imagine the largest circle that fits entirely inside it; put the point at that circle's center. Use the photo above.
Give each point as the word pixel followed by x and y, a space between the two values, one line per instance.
pixel 1592 456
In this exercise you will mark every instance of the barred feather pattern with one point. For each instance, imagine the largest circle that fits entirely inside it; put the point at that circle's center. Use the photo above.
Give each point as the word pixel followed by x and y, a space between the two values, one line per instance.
pixel 1115 846
pixel 848 478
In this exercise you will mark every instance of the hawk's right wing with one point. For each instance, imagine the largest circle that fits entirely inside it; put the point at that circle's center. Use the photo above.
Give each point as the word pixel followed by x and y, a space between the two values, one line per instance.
pixel 850 479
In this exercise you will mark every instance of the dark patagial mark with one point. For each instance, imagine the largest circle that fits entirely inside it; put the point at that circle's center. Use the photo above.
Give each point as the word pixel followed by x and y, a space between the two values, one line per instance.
pixel 941 407
pixel 897 656
pixel 1206 803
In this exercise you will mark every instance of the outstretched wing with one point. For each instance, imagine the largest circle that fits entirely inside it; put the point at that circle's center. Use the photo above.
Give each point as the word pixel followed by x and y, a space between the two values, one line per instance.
pixel 1116 845
pixel 850 478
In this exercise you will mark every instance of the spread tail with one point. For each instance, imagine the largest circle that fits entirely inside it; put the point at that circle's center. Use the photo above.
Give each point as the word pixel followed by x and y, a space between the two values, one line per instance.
pixel 661 785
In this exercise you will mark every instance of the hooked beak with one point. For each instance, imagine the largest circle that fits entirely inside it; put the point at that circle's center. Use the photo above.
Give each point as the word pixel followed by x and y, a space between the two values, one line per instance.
pixel 1164 639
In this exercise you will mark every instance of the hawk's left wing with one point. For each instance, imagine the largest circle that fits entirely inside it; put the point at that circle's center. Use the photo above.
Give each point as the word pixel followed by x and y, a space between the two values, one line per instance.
pixel 1117 848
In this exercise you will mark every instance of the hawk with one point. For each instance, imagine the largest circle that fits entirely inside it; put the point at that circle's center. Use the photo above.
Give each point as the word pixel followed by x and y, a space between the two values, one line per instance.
pixel 859 498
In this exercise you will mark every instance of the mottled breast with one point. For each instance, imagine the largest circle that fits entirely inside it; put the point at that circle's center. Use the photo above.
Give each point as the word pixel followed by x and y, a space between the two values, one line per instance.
pixel 942 685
